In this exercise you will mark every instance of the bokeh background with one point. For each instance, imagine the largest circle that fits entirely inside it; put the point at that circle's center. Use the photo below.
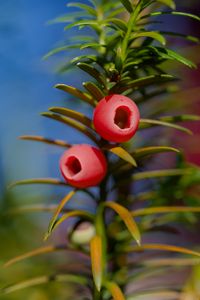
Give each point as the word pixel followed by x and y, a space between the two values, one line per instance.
pixel 26 89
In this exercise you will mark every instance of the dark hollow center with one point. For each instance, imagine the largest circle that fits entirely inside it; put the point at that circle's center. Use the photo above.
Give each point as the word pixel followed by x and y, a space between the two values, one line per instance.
pixel 73 165
pixel 122 117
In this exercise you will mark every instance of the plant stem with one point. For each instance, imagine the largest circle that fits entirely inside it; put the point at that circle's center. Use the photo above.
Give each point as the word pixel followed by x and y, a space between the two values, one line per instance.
pixel 97 295
pixel 131 24
pixel 100 17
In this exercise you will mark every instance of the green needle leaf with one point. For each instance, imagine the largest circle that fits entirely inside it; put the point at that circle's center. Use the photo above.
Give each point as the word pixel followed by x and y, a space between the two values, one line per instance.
pixel 93 72
pixel 57 212
pixel 96 253
pixel 164 209
pixel 61 49
pixel 67 18
pixel 68 121
pixel 141 152
pixel 42 139
pixel 32 208
pixel 75 92
pixel 91 45
pixel 180 118
pixel 82 23
pixel 176 13
pixel 161 173
pixel 75 213
pixel 181 35
pixel 179 262
pixel 120 24
pixel 127 4
pixel 155 174
pixel 115 290
pixel 124 85
pixel 53 181
pixel 158 294
pixel 72 114
pixel 127 218
pixel 162 247
pixel 170 54
pixel 35 252
pixel 85 7
pixel 152 34
pixel 147 123
pixel 43 280
pixel 94 90
pixel 123 154
pixel 169 3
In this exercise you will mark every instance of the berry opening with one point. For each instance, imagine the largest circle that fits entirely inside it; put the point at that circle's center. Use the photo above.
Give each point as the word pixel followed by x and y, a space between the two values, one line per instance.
pixel 73 166
pixel 122 117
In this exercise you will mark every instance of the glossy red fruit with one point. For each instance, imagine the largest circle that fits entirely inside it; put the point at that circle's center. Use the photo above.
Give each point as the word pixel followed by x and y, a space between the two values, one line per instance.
pixel 83 166
pixel 116 118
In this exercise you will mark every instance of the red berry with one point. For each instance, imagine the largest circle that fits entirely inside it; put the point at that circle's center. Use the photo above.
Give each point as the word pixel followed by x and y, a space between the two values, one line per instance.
pixel 83 166
pixel 116 118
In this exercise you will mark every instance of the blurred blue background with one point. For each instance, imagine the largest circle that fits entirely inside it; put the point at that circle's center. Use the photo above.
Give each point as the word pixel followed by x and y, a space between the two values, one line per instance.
pixel 26 82
pixel 27 87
